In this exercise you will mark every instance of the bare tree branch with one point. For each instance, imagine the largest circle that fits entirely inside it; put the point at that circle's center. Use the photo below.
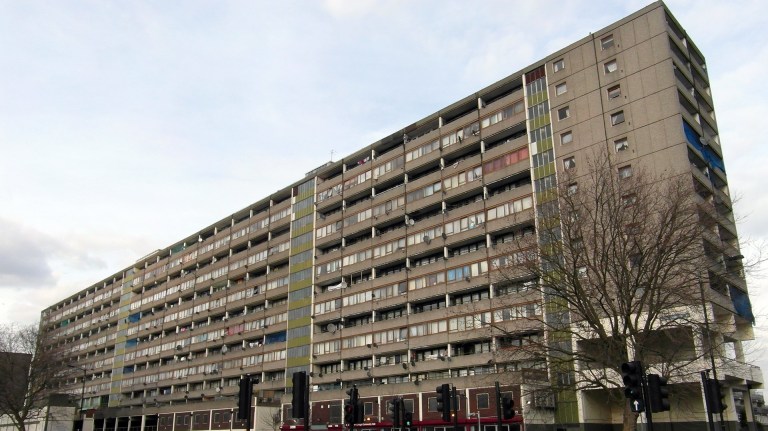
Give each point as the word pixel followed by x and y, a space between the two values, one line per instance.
pixel 619 268
pixel 30 370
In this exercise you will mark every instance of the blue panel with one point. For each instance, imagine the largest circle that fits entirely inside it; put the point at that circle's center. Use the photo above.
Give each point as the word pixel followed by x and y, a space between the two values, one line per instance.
pixel 277 337
pixel 742 304
pixel 695 140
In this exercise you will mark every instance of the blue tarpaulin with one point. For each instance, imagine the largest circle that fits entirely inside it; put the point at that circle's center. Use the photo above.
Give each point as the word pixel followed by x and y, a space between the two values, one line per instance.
pixel 742 304
pixel 709 155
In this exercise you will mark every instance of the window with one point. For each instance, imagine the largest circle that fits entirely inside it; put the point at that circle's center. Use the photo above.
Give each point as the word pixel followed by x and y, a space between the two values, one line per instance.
pixel 569 163
pixel 408 404
pixel 566 138
pixel 625 171
pixel 606 42
pixel 614 92
pixel 563 113
pixel 572 189
pixel 482 401
pixel 558 65
pixel 629 199
pixel 621 144
pixel 617 118
pixel 581 271
pixel 561 88
pixel 432 404
pixel 610 66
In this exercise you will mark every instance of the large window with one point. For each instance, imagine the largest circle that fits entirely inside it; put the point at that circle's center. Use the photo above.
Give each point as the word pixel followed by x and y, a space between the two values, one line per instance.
pixel 424 192
pixel 505 113
pixel 561 88
pixel 505 160
pixel 421 151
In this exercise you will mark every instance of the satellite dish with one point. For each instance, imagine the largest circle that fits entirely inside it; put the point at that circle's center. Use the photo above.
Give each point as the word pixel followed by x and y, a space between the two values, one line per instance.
pixel 332 327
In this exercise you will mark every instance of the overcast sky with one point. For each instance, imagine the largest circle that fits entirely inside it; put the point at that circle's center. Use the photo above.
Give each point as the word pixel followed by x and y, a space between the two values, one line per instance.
pixel 127 126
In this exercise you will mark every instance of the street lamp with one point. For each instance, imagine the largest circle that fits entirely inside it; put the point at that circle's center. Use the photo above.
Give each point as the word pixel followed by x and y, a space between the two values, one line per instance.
pixel 477 413
pixel 82 390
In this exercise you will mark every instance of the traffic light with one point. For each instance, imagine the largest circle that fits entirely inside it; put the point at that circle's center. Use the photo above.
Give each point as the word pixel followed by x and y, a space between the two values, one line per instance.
pixel 715 397
pixel 507 408
pixel 244 398
pixel 351 407
pixel 299 395
pixel 632 375
pixel 408 420
pixel 394 408
pixel 658 393
pixel 444 401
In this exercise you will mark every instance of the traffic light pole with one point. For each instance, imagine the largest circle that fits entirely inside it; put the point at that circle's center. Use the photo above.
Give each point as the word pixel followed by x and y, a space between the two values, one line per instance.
pixel 498 407
pixel 306 406
pixel 647 400
pixel 455 402
pixel 709 340
pixel 705 384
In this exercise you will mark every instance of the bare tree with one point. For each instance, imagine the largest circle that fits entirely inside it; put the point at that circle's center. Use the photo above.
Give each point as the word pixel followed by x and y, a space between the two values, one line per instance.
pixel 273 420
pixel 29 372
pixel 617 262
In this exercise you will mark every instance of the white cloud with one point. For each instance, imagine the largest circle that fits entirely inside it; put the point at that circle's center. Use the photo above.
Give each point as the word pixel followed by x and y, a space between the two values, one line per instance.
pixel 342 9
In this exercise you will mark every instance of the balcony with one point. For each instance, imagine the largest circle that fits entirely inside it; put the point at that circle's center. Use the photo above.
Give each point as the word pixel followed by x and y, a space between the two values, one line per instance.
pixel 503 125
pixel 394 173
pixel 509 171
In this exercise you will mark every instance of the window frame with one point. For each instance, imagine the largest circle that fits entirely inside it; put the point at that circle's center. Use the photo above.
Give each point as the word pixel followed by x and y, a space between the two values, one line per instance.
pixel 618 118
pixel 621 145
pixel 610 66
pixel 431 404
pixel 486 404
pixel 564 135
pixel 564 110
pixel 561 88
pixel 569 163
pixel 613 92
pixel 607 42
pixel 558 65
pixel 625 172
pixel 572 189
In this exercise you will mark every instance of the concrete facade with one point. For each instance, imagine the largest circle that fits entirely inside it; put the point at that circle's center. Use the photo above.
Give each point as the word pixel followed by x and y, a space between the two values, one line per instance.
pixel 373 270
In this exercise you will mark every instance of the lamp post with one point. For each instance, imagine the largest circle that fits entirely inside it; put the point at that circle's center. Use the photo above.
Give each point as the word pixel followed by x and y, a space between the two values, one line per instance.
pixel 82 389
pixel 477 414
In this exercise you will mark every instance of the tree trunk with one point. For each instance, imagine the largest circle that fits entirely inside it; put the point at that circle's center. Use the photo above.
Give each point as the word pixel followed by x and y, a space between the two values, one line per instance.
pixel 630 418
